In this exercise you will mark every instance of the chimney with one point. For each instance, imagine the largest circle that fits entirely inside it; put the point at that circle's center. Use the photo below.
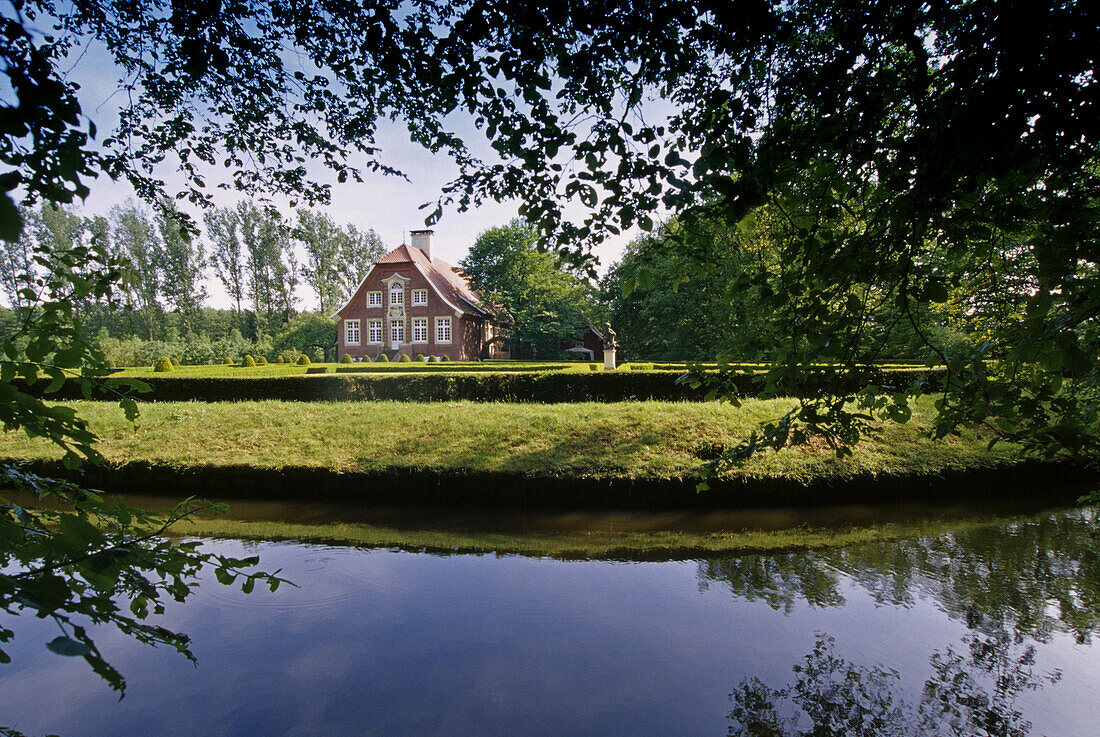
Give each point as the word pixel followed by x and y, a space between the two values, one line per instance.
pixel 422 239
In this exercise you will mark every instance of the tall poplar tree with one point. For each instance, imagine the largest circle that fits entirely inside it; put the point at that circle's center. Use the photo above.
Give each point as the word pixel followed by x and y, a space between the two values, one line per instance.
pixel 134 237
pixel 223 230
pixel 184 263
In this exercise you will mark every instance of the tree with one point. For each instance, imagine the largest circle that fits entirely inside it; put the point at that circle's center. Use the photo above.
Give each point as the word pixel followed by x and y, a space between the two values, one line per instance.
pixel 137 242
pixel 337 259
pixel 270 266
pixel 544 303
pixel 223 229
pixel 184 262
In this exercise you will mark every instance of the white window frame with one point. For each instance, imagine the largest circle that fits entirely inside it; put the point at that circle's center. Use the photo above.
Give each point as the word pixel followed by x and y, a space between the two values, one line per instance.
pixel 397 293
pixel 420 330
pixel 444 324
pixel 374 327
pixel 397 331
pixel 374 299
pixel 420 297
pixel 351 327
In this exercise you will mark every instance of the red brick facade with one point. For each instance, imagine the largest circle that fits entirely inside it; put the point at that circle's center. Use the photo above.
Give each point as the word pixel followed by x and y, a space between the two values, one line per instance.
pixel 415 305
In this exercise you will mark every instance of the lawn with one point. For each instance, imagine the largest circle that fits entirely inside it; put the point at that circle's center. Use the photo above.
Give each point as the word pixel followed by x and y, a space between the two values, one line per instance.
pixel 647 440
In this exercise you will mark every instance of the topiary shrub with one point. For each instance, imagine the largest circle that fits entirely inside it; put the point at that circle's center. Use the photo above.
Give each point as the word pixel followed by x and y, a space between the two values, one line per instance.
pixel 593 367
pixel 319 370
pixel 346 358
pixel 421 357
pixel 279 359
pixel 261 361
pixel 303 360
pixel 228 361
pixel 444 357
pixel 433 359
pixel 249 361
pixel 175 362
pixel 162 364
pixel 383 358
pixel 404 358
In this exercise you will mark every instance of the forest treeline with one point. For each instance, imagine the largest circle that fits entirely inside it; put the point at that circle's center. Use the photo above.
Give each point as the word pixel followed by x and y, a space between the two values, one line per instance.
pixel 673 295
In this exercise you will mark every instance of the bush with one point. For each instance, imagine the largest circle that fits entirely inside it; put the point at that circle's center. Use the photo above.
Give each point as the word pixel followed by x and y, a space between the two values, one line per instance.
pixel 641 366
pixel 346 358
pixel 249 361
pixel 227 361
pixel 303 360
pixel 279 359
pixel 383 358
pixel 162 365
pixel 421 357
pixel 438 385
pixel 261 361
pixel 593 367
pixel 404 358
pixel 175 362
pixel 443 358
pixel 319 370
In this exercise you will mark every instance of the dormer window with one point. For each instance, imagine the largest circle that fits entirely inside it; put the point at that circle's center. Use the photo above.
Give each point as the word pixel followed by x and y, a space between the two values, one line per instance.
pixel 397 294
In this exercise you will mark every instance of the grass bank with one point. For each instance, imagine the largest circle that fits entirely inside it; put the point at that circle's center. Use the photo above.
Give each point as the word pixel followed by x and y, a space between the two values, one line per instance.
pixel 634 440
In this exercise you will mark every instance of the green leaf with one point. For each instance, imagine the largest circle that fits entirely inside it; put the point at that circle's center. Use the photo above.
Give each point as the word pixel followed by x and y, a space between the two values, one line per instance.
pixel 68 647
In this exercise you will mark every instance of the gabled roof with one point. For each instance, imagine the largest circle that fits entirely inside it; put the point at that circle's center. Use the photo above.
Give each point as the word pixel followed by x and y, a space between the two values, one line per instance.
pixel 452 287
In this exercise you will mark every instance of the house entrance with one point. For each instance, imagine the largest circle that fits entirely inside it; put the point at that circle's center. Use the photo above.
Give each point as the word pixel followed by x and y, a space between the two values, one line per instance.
pixel 397 334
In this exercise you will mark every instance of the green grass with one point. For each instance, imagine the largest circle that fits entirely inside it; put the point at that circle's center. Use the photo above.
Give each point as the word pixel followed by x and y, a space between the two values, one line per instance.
pixel 652 440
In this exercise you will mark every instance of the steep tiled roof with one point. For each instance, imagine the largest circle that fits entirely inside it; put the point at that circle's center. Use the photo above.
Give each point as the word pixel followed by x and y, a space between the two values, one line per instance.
pixel 448 282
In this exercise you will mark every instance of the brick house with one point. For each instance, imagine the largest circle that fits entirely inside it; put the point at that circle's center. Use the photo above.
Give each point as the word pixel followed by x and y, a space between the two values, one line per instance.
pixel 412 303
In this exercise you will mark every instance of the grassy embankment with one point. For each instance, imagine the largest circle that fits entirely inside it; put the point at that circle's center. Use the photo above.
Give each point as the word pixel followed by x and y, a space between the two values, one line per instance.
pixel 634 440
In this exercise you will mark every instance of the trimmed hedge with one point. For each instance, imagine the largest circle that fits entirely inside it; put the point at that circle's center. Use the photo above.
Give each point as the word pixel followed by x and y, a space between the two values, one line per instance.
pixel 545 387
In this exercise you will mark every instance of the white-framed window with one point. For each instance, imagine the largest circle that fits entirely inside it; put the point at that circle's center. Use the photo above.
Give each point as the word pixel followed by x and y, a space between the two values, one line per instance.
pixel 420 297
pixel 351 332
pixel 397 293
pixel 397 331
pixel 420 329
pixel 442 330
pixel 374 331
pixel 374 299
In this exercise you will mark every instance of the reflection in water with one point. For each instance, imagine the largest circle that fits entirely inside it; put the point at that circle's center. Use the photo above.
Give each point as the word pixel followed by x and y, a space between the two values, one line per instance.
pixel 969 694
pixel 385 642
pixel 1033 576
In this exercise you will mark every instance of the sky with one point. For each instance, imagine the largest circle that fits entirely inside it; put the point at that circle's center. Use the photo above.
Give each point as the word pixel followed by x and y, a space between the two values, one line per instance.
pixel 388 204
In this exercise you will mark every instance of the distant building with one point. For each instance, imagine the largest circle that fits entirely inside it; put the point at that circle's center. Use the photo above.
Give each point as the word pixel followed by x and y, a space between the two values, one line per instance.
pixel 414 304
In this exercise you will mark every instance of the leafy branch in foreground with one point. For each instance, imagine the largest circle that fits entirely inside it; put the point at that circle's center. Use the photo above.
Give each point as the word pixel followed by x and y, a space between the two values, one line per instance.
pixel 81 560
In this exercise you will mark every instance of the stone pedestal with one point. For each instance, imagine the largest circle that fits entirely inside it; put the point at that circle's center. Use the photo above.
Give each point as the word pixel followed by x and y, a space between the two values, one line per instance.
pixel 609 359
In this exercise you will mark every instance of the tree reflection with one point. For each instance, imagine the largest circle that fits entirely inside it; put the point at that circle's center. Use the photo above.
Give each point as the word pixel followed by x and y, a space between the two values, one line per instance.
pixel 969 694
pixel 1033 576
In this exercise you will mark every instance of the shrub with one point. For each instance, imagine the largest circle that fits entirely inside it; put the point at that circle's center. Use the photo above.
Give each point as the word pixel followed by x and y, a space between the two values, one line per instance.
pixel 593 367
pixel 162 365
pixel 421 357
pixel 319 370
pixel 444 357
pixel 346 358
pixel 383 358
pixel 303 360
pixel 279 359
pixel 227 361
pixel 404 358
pixel 175 362
pixel 261 361
pixel 249 361
pixel 641 366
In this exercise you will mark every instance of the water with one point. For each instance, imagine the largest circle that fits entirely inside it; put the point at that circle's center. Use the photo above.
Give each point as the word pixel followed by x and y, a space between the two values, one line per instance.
pixel 390 642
